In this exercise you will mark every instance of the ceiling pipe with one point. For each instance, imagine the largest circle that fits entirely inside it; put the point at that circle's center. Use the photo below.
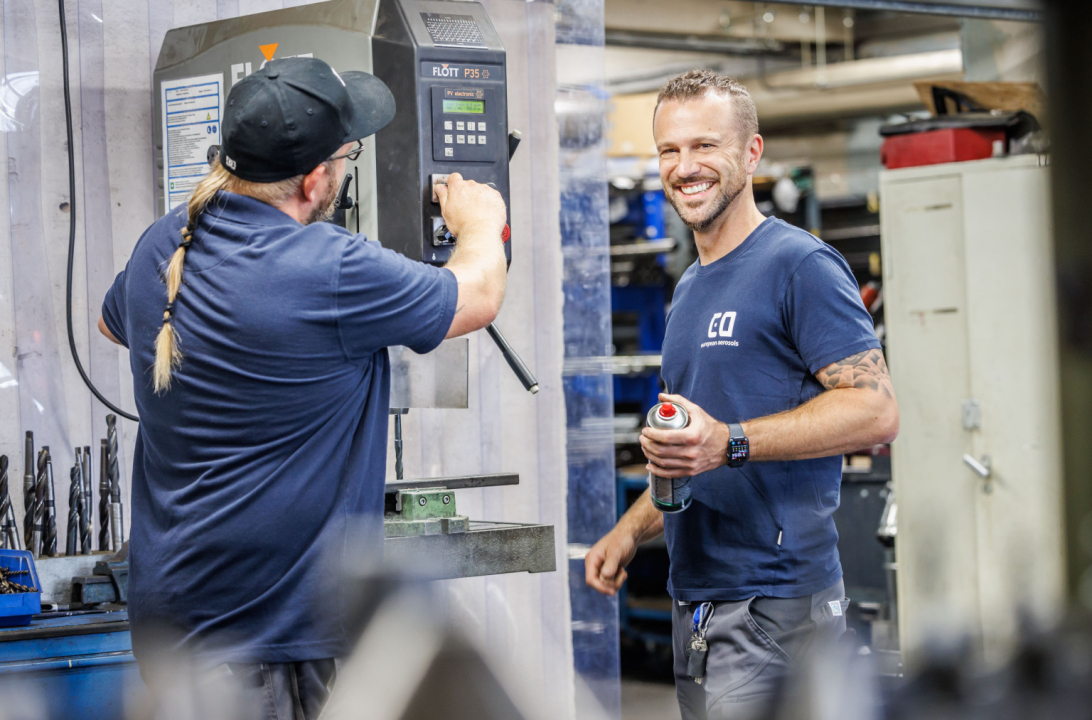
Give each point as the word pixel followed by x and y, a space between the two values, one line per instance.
pixel 868 72
pixel 691 43
pixel 851 74
pixel 1026 10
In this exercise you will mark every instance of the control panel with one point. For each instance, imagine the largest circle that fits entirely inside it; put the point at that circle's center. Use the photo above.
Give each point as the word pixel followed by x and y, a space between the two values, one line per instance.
pixel 460 128
pixel 445 64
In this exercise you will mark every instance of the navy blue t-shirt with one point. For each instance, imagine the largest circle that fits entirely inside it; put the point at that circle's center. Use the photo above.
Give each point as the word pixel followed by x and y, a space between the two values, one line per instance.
pixel 268 453
pixel 745 336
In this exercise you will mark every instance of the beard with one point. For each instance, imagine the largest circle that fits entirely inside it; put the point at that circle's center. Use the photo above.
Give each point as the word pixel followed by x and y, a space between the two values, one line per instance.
pixel 325 209
pixel 727 191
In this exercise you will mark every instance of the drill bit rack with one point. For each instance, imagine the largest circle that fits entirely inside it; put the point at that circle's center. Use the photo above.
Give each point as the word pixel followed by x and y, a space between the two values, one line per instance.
pixel 40 521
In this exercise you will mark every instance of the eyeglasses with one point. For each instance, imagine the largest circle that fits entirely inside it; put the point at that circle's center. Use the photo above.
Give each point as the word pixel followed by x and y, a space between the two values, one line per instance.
pixel 358 147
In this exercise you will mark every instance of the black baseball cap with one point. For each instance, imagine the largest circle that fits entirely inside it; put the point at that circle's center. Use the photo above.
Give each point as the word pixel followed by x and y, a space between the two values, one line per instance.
pixel 290 116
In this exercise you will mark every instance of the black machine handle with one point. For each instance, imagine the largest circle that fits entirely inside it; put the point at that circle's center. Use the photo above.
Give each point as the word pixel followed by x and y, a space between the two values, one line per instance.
pixel 511 356
pixel 514 361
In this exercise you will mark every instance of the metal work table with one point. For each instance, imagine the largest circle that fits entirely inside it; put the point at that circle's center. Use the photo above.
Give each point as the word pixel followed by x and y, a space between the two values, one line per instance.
pixel 80 664
pixel 71 664
pixel 486 548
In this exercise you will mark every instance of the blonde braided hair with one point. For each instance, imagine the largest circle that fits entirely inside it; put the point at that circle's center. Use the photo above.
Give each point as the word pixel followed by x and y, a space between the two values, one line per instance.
pixel 168 356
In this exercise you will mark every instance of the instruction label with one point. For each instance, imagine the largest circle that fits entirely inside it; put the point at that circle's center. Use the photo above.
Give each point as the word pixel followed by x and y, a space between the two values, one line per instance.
pixel 191 123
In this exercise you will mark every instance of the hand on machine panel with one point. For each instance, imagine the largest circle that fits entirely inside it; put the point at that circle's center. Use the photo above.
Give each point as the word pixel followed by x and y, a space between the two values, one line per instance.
pixel 470 206
pixel 466 204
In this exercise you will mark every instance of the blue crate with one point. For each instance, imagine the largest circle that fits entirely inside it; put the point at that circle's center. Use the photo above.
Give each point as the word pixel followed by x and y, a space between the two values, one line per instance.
pixel 18 609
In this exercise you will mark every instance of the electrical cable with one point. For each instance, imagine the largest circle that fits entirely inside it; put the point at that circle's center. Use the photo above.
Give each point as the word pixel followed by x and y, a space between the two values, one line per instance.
pixel 72 222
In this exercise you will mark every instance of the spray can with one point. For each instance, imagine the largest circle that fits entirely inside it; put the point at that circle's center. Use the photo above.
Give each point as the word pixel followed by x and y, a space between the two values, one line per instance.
pixel 669 495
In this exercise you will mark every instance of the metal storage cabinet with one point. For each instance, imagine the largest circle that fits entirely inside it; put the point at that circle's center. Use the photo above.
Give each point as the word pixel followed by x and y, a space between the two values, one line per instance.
pixel 972 348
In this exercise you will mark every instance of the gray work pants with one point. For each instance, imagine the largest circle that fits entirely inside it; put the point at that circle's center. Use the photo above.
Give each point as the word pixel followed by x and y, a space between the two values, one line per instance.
pixel 288 691
pixel 255 691
pixel 753 644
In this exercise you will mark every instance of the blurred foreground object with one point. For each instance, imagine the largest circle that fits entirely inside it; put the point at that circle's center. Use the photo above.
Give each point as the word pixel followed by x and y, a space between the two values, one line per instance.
pixel 409 664
pixel 1048 677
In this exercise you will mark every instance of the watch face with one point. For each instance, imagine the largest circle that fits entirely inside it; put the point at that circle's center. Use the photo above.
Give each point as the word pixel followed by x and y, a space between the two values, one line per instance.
pixel 738 449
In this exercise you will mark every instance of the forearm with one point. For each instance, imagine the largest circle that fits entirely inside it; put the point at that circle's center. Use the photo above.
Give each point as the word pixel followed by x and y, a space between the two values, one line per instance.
pixel 480 250
pixel 836 422
pixel 642 521
pixel 481 271
pixel 857 410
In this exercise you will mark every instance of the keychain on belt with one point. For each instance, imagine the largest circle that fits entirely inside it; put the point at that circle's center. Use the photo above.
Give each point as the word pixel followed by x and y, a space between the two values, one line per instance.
pixel 698 649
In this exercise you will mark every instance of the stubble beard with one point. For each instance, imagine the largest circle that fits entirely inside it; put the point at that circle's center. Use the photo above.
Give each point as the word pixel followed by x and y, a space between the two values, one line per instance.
pixel 326 209
pixel 729 191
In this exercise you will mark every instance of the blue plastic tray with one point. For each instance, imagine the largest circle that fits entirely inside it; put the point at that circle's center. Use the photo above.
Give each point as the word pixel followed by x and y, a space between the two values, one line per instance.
pixel 17 609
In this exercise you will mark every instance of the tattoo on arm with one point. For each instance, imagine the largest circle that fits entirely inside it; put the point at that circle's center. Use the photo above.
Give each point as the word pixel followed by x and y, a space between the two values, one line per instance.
pixel 866 371
pixel 459 309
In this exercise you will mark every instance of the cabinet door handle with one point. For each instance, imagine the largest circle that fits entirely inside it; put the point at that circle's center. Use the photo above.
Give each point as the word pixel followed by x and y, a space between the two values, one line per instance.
pixel 981 468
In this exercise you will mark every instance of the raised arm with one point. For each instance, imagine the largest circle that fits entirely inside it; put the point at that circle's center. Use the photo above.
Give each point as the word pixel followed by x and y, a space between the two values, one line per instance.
pixel 475 214
pixel 857 410
pixel 106 332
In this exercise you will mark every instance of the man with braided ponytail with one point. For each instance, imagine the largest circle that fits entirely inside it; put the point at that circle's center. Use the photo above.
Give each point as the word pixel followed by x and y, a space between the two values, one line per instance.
pixel 257 339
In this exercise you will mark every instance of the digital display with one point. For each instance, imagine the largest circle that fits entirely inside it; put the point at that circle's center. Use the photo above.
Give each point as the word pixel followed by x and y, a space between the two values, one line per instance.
pixel 476 107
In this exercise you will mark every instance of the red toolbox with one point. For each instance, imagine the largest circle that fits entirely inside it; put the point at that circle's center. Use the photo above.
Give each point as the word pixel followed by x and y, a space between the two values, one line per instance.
pixel 952 138
pixel 940 146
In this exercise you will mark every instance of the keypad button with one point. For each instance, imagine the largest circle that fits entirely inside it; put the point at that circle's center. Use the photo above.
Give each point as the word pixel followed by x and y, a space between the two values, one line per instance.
pixel 481 139
pixel 447 126
pixel 449 152
pixel 447 139
pixel 460 125
pixel 460 139
pixel 481 127
pixel 471 140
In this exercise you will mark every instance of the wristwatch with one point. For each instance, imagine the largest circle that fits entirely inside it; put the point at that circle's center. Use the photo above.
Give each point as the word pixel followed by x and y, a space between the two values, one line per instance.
pixel 739 448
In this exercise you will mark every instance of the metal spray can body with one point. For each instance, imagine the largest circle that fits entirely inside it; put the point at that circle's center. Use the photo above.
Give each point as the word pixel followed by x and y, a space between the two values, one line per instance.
pixel 669 495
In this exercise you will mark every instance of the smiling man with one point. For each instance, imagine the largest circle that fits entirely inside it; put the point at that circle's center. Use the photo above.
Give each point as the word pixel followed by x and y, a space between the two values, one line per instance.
pixel 768 346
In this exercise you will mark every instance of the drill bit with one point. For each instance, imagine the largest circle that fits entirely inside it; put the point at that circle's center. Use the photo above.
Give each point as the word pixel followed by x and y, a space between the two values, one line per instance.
pixel 29 483
pixel 7 527
pixel 104 501
pixel 72 529
pixel 5 505
pixel 15 542
pixel 86 503
pixel 49 520
pixel 39 504
pixel 117 509
pixel 7 587
pixel 398 469
pixel 117 526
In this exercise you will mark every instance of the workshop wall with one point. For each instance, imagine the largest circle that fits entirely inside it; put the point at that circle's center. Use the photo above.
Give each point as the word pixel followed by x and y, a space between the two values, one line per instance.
pixel 523 619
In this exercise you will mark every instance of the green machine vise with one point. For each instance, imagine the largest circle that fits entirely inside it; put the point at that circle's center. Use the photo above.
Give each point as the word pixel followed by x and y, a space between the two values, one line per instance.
pixel 417 511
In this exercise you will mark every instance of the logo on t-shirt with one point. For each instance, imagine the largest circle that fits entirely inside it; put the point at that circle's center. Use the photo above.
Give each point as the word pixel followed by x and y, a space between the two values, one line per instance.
pixel 720 327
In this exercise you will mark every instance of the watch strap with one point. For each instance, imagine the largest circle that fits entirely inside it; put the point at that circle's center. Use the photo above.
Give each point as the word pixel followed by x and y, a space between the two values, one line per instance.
pixel 735 431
